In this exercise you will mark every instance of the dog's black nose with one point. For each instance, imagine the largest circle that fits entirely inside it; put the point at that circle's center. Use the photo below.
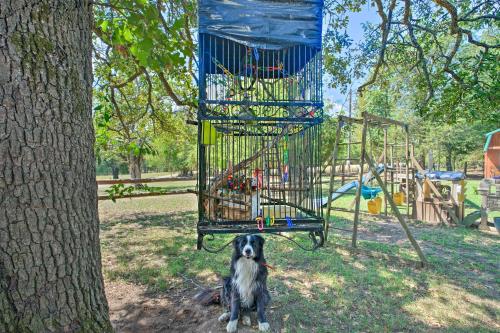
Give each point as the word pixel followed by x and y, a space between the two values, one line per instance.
pixel 248 252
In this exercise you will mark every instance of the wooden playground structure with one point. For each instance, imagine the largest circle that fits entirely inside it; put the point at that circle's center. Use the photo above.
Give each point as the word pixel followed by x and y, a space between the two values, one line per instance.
pixel 409 191
pixel 395 174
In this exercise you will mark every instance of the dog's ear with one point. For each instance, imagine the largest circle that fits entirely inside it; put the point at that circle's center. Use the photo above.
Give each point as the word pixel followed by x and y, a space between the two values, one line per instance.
pixel 260 240
pixel 236 242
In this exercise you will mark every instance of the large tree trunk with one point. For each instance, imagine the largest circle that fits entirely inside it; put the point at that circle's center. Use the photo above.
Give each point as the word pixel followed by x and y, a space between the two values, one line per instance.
pixel 134 165
pixel 50 260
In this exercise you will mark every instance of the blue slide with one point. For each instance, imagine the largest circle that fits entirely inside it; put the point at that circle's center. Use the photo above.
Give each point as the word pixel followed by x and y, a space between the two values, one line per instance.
pixel 349 186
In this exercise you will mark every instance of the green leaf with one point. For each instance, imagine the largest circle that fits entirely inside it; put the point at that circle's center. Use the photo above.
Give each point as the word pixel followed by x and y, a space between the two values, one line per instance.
pixel 146 44
pixel 127 35
pixel 104 26
pixel 178 24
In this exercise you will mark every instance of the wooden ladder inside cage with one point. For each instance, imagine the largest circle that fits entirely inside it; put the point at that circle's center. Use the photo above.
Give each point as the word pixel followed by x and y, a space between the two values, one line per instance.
pixel 274 177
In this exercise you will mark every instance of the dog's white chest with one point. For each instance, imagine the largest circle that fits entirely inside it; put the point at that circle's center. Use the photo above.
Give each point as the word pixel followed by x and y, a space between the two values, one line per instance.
pixel 244 280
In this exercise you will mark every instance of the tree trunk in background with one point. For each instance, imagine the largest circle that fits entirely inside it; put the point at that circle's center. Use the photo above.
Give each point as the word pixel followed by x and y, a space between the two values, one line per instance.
pixel 50 260
pixel 449 166
pixel 134 166
pixel 115 170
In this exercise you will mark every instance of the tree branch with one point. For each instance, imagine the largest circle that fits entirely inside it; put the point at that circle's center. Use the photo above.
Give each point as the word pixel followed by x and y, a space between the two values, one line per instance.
pixel 455 28
pixel 134 76
pixel 450 57
pixel 477 18
pixel 420 51
pixel 171 94
pixel 119 113
pixel 386 27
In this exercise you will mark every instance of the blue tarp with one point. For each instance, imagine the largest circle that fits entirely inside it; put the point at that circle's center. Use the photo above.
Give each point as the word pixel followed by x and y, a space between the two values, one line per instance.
pixel 263 24
pixel 442 175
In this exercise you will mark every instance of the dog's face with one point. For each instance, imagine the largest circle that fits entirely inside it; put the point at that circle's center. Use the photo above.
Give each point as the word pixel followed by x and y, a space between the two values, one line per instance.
pixel 249 246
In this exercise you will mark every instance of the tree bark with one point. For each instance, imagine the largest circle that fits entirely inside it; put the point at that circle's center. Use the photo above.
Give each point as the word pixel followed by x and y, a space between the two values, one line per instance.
pixel 115 170
pixel 134 165
pixel 449 164
pixel 50 260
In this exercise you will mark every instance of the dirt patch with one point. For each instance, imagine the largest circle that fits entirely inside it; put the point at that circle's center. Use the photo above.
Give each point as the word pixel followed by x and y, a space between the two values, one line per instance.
pixel 133 309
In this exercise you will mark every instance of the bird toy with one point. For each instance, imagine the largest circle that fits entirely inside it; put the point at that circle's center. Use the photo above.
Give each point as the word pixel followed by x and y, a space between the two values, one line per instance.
pixel 289 222
pixel 260 223
pixel 268 221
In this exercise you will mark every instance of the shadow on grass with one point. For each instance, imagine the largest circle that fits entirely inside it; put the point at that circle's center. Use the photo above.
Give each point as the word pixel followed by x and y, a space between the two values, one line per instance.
pixel 174 220
pixel 324 291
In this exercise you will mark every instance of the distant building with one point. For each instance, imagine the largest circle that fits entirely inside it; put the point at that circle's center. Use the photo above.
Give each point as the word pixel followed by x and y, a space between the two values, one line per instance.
pixel 492 154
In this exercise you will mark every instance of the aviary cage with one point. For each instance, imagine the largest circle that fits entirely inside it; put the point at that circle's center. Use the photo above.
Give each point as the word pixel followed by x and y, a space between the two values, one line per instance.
pixel 259 117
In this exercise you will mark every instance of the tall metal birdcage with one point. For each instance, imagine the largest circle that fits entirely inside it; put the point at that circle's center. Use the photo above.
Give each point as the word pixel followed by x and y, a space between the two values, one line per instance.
pixel 259 117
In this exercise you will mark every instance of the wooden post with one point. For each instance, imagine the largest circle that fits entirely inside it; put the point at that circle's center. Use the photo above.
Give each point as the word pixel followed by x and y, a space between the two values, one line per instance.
pixel 385 168
pixel 343 173
pixel 392 183
pixel 484 210
pixel 332 178
pixel 360 181
pixel 407 170
pixel 397 212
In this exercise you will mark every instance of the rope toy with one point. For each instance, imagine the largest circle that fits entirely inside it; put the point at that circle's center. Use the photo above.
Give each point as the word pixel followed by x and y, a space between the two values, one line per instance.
pixel 268 266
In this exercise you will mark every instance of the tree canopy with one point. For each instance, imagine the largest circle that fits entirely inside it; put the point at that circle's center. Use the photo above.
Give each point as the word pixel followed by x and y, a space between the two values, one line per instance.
pixel 441 57
pixel 434 64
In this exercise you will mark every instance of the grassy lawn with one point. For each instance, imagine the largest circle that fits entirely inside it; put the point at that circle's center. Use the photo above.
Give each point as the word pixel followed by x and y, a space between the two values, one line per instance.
pixel 150 242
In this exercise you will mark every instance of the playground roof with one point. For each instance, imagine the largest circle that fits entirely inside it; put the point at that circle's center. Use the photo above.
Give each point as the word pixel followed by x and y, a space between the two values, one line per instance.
pixel 441 175
pixel 264 24
pixel 488 139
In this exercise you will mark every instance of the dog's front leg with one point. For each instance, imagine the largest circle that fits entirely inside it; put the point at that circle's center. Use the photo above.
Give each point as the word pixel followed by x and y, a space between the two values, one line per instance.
pixel 261 314
pixel 232 326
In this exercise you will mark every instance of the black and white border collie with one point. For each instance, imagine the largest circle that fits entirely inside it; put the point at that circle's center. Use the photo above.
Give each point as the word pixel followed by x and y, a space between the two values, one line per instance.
pixel 246 289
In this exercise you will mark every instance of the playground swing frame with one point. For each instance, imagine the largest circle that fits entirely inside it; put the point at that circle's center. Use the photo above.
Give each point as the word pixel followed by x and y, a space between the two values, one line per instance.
pixel 370 120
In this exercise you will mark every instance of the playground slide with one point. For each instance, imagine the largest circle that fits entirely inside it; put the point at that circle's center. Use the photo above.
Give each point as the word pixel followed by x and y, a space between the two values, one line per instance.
pixel 349 186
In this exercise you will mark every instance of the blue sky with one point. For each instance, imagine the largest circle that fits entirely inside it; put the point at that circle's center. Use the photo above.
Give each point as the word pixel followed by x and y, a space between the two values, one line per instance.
pixel 355 31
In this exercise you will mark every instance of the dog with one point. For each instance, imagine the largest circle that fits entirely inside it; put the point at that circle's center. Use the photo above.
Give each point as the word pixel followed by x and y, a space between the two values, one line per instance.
pixel 246 289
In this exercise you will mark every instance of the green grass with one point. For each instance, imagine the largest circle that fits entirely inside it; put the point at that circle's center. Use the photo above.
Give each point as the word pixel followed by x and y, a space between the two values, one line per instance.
pixel 151 241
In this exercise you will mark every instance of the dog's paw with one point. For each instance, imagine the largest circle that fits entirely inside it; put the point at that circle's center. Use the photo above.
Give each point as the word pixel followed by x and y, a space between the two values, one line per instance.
pixel 263 327
pixel 224 317
pixel 245 320
pixel 232 326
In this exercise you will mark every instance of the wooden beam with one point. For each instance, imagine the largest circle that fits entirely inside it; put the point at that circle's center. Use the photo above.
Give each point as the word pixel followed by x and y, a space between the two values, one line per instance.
pixel 332 178
pixel 407 170
pixel 360 182
pixel 351 119
pixel 385 171
pixel 396 211
pixel 382 120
